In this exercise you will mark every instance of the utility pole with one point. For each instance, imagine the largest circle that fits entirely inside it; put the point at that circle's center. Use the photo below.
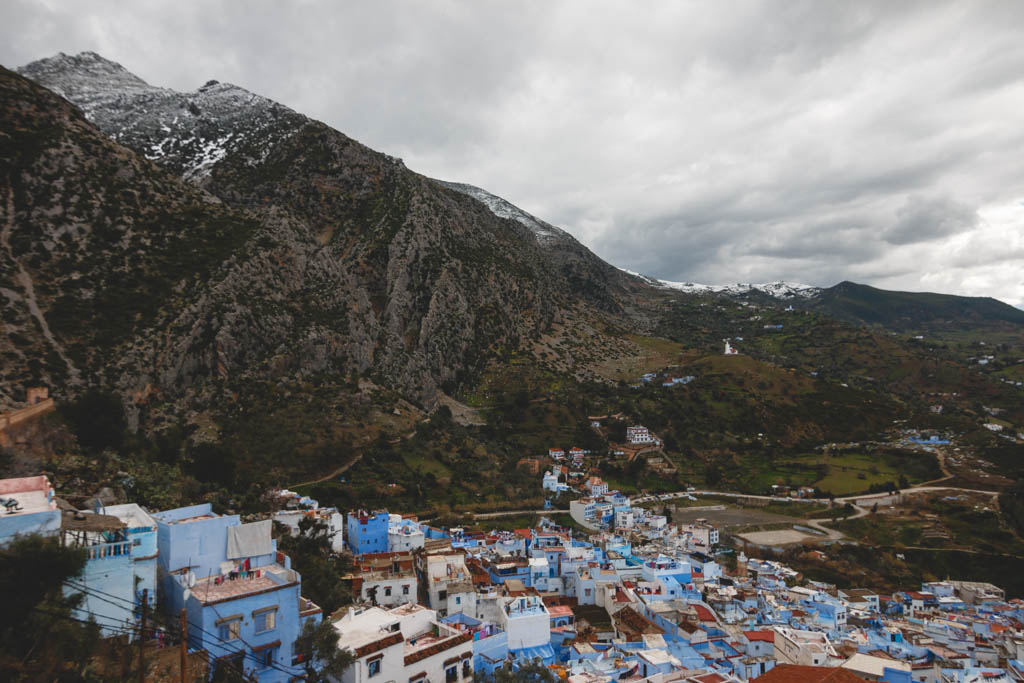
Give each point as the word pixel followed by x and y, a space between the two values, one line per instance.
pixel 142 636
pixel 184 646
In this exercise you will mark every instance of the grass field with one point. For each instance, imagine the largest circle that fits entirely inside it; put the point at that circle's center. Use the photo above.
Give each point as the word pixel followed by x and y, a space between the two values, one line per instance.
pixel 847 473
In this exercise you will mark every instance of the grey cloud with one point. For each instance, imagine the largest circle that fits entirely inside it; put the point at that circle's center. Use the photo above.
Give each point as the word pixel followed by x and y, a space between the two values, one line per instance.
pixel 925 218
pixel 800 140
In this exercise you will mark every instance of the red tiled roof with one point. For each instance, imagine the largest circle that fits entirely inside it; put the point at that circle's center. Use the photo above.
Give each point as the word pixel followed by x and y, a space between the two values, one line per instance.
pixel 636 622
pixel 436 648
pixel 791 673
pixel 378 645
pixel 703 613
pixel 708 678
pixel 765 636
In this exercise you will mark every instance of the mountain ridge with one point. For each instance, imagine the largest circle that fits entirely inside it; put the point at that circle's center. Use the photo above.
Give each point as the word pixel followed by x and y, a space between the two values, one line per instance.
pixel 354 263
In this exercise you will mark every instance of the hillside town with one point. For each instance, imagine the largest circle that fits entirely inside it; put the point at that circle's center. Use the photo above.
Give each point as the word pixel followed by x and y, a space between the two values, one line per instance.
pixel 638 599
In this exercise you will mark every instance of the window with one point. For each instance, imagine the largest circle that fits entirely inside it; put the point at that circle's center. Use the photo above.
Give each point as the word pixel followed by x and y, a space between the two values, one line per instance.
pixel 405 590
pixel 467 668
pixel 387 592
pixel 586 592
pixel 373 667
pixel 442 595
pixel 458 600
pixel 230 630
pixel 265 620
pixel 265 658
pixel 229 663
pixel 451 674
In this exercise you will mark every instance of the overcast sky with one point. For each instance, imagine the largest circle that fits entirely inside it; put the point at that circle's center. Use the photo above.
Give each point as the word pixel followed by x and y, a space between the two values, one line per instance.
pixel 709 142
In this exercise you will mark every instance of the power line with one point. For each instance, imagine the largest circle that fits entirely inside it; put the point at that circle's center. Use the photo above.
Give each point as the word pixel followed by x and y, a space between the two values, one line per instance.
pixel 119 629
pixel 95 592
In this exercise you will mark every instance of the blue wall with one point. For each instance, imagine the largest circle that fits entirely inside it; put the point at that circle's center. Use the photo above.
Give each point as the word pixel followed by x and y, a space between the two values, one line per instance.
pixel 286 629
pixel 200 544
pixel 370 536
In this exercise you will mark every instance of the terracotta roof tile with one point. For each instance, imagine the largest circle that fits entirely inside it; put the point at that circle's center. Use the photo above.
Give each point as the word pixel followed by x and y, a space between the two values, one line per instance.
pixel 791 673
pixel 378 645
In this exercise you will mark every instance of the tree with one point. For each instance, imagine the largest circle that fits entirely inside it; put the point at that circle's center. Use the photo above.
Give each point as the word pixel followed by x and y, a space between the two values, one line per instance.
pixel 713 474
pixel 311 554
pixel 617 431
pixel 317 646
pixel 97 419
pixel 40 639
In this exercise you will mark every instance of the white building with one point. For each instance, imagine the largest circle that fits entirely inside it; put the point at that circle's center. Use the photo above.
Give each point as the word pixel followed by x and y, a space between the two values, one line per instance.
pixel 597 486
pixel 583 510
pixel 805 648
pixel 450 585
pixel 638 434
pixel 402 644
pixel 387 589
pixel 730 350
pixel 404 534
pixel 527 622
pixel 703 534
pixel 330 517
pixel 624 519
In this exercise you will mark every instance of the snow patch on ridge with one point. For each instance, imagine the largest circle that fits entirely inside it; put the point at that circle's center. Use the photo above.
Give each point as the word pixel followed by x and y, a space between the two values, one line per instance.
pixel 543 231
pixel 779 289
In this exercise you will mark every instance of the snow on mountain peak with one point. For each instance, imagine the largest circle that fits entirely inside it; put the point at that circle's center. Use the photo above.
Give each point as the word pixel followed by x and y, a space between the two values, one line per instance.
pixel 543 231
pixel 187 132
pixel 779 289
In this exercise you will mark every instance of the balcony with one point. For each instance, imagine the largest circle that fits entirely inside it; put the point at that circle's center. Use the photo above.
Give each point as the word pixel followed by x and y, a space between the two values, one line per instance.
pixel 102 551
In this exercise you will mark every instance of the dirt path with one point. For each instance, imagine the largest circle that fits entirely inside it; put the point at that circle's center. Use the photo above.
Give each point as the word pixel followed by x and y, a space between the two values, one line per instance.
pixel 332 475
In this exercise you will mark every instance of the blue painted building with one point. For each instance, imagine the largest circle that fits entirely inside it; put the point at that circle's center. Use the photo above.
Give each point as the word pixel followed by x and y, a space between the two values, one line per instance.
pixel 242 598
pixel 121 566
pixel 119 542
pixel 367 532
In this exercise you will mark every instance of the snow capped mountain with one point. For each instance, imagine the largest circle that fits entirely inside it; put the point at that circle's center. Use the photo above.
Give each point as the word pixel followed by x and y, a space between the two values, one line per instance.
pixel 543 231
pixel 188 132
pixel 779 289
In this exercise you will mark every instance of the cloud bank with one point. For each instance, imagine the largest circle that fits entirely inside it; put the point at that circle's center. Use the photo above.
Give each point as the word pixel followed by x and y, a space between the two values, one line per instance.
pixel 807 141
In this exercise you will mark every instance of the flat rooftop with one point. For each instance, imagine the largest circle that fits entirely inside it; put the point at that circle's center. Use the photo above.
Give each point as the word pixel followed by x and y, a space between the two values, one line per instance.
pixel 29 502
pixel 270 577
pixel 31 493
pixel 194 518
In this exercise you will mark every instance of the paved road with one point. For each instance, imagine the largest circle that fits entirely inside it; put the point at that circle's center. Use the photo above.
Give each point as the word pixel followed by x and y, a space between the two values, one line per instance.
pixel 513 513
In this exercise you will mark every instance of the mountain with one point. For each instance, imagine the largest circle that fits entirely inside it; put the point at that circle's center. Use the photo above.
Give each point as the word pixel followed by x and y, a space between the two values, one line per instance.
pixel 188 133
pixel 344 262
pixel 777 290
pixel 908 311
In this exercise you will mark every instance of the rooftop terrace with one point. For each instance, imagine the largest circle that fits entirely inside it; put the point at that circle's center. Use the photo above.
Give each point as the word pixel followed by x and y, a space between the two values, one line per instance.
pixel 30 495
pixel 215 589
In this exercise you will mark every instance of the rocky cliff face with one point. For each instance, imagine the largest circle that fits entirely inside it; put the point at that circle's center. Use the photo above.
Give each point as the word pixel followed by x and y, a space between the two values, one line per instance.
pixel 231 238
